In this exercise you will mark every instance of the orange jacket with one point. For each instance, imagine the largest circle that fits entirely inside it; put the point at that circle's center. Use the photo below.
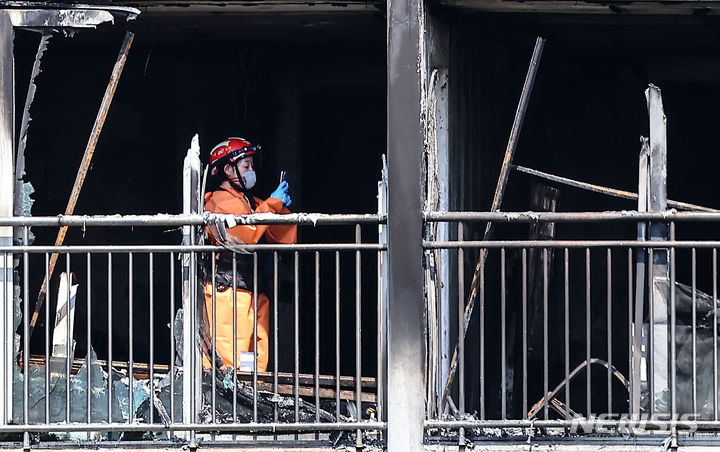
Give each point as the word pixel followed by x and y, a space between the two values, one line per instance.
pixel 230 201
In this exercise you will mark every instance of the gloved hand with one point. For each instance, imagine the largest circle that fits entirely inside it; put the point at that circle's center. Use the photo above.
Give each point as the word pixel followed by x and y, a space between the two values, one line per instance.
pixel 281 192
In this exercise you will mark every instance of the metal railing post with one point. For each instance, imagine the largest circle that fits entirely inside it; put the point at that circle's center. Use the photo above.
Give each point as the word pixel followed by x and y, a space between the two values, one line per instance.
pixel 659 267
pixel 191 358
pixel 382 298
pixel 7 181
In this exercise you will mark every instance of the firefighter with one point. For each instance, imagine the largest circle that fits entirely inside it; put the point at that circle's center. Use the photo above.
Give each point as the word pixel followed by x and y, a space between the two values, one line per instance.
pixel 232 169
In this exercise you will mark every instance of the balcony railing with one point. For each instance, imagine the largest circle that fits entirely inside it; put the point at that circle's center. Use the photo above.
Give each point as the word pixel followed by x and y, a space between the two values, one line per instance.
pixel 130 358
pixel 595 330
pixel 577 333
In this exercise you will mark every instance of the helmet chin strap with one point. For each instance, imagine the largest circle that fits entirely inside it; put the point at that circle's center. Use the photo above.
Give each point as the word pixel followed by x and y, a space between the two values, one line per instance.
pixel 241 183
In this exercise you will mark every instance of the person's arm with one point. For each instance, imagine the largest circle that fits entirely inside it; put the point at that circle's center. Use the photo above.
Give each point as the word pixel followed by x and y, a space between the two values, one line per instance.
pixel 225 203
pixel 282 233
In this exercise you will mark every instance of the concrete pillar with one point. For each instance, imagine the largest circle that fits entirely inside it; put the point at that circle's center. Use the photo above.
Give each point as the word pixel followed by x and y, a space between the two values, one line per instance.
pixel 406 341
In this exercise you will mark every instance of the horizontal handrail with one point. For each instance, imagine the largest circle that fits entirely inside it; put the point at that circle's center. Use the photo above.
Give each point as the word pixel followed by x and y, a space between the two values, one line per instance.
pixel 193 248
pixel 193 220
pixel 234 427
pixel 570 217
pixel 644 423
pixel 430 244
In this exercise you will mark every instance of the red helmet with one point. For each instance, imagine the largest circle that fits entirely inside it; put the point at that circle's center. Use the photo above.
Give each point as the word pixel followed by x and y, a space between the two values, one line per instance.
pixel 230 151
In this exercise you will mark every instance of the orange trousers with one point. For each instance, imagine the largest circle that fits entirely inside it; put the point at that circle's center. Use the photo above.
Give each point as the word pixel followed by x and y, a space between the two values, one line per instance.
pixel 245 325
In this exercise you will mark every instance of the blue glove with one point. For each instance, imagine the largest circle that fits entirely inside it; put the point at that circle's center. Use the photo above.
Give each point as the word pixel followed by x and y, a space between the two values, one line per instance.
pixel 281 192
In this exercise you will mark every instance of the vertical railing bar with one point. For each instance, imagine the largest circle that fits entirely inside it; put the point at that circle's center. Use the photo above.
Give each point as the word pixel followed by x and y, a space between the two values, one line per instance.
pixel 566 276
pixel 5 317
pixel 546 334
pixel 609 330
pixel 694 330
pixel 88 360
pixel 461 328
pixel 193 354
pixel 172 336
pixel 255 335
pixel 296 333
pixel 524 334
pixel 381 392
pixel 151 339
pixel 673 332
pixel 483 256
pixel 26 327
pixel 358 337
pixel 47 338
pixel 110 330
pixel 630 328
pixel 715 335
pixel 213 327
pixel 276 348
pixel 337 336
pixel 588 338
pixel 131 347
pixel 317 339
pixel 651 335
pixel 234 337
pixel 503 332
pixel 194 365
pixel 69 338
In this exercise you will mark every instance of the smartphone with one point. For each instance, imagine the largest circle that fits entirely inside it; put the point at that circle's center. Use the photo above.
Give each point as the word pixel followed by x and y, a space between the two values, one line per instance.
pixel 283 176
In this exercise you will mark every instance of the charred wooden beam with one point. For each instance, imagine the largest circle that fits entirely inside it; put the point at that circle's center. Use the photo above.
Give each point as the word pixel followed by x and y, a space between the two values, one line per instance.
pixel 542 199
pixel 85 164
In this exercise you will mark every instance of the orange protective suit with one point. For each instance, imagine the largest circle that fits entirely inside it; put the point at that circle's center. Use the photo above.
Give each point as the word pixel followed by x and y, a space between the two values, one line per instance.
pixel 229 201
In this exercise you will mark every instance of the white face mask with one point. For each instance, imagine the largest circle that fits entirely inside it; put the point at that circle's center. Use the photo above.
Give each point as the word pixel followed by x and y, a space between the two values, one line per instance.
pixel 249 178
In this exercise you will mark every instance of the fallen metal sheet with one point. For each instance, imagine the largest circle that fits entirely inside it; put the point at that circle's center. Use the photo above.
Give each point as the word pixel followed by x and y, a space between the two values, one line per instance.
pixel 63 346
